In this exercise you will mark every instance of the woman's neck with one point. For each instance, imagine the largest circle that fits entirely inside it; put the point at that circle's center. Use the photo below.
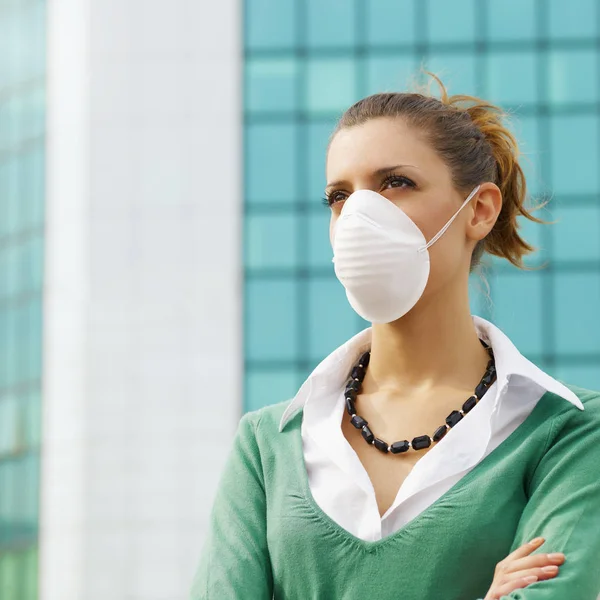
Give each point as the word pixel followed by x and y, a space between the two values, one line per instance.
pixel 431 346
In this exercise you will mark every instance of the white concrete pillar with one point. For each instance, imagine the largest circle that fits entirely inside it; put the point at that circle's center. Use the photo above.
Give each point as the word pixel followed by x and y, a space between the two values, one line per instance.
pixel 142 314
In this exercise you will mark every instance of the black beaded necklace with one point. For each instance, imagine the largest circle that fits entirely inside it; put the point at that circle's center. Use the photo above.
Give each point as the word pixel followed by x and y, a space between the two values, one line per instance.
pixel 423 441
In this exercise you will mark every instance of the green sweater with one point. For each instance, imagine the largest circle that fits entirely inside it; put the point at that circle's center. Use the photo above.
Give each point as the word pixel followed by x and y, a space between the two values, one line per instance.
pixel 269 539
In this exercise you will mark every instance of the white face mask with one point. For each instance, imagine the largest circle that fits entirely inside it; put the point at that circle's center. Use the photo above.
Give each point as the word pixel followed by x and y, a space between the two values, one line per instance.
pixel 381 257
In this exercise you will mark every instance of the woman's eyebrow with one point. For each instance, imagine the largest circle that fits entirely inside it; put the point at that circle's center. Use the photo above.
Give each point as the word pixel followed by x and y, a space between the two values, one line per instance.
pixel 377 173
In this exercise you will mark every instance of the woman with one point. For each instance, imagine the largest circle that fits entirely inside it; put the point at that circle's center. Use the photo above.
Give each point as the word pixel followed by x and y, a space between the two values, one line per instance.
pixel 426 457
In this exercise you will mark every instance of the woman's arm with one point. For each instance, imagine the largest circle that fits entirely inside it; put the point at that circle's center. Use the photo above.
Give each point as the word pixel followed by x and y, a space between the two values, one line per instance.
pixel 564 507
pixel 235 560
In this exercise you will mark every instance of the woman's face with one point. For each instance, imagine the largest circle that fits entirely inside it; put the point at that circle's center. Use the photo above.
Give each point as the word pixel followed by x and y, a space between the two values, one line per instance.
pixel 388 157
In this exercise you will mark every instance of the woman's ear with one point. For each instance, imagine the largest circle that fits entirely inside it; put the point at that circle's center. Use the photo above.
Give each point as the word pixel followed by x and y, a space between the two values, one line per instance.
pixel 487 205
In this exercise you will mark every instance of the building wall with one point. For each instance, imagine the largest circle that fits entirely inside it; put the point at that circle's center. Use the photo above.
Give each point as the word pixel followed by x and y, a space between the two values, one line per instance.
pixel 22 140
pixel 308 60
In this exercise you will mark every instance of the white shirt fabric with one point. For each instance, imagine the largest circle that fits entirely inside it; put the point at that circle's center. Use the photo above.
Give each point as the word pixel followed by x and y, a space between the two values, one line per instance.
pixel 338 481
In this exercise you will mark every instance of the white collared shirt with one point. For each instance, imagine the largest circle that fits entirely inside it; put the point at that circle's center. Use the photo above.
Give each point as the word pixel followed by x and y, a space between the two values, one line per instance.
pixel 338 481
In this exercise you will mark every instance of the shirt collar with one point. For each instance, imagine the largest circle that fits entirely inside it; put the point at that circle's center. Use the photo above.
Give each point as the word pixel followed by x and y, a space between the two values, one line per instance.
pixel 333 371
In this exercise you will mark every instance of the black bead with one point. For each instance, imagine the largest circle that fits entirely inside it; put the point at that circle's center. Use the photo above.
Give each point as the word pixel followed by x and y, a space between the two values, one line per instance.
pixel 453 418
pixel 469 404
pixel 380 445
pixel 398 447
pixel 367 434
pixel 358 373
pixel 488 378
pixel 364 359
pixel 353 386
pixel 491 364
pixel 358 422
pixel 350 394
pixel 480 390
pixel 439 433
pixel 350 406
pixel 420 442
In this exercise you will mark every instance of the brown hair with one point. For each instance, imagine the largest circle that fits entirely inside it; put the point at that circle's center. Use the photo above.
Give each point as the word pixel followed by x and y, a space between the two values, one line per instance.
pixel 470 136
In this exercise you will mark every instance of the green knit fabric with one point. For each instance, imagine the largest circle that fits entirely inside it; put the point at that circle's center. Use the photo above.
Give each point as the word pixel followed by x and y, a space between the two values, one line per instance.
pixel 269 539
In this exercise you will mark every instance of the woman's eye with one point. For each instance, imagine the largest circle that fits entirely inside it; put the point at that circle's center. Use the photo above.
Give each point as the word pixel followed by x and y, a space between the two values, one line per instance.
pixel 336 197
pixel 398 181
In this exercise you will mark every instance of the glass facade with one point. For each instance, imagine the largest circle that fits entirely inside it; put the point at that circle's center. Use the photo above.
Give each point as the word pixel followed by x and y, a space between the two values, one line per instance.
pixel 22 140
pixel 308 60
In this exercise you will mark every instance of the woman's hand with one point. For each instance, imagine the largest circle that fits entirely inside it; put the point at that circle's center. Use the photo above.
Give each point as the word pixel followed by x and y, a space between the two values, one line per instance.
pixel 518 569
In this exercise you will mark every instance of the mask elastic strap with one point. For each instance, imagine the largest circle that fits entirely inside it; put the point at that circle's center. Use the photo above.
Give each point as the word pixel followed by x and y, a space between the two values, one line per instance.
pixel 436 237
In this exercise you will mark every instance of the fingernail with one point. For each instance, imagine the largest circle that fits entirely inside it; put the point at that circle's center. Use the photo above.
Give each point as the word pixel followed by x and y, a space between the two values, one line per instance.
pixel 537 540
pixel 550 569
pixel 556 556
pixel 530 579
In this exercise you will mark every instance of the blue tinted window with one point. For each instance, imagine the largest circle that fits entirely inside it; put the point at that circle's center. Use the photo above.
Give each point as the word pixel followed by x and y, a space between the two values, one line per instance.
pixel 36 210
pixel 511 19
pixel 572 76
pixel 32 339
pixel 331 23
pixel 577 233
pixel 21 341
pixel 389 73
pixel 33 112
pixel 10 274
pixel 457 71
pixel 7 498
pixel 511 77
pixel 19 253
pixel 319 252
pixel 586 376
pixel 30 212
pixel 575 154
pixel 451 21
pixel 271 163
pixel 331 84
pixel 9 196
pixel 5 206
pixel 270 24
pixel 5 279
pixel 527 131
pixel 16 323
pixel 264 387
pixel 533 233
pixel 5 350
pixel 30 35
pixel 270 241
pixel 390 22
pixel 28 488
pixel 577 298
pixel 32 419
pixel 332 320
pixel 271 84
pixel 7 63
pixel 517 300
pixel 318 137
pixel 9 407
pixel 11 109
pixel 32 264
pixel 271 319
pixel 574 20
